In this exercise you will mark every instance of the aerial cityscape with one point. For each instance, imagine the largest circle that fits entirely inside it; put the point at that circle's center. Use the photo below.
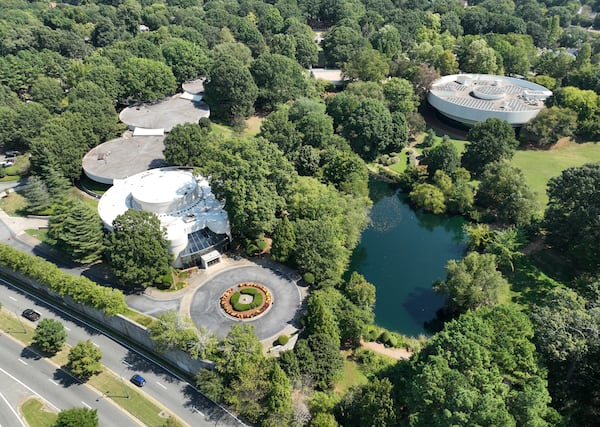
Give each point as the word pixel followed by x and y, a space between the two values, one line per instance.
pixel 330 213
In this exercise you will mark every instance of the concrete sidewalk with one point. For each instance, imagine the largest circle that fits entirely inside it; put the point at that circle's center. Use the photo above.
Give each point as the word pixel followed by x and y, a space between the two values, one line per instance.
pixel 18 225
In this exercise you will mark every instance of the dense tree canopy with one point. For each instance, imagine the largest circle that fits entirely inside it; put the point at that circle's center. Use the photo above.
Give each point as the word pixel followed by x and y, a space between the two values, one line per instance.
pixel 84 360
pixel 279 79
pixel 572 215
pixel 77 229
pixel 489 141
pixel 77 417
pixel 137 249
pixel 480 370
pixel 66 70
pixel 145 80
pixel 472 282
pixel 230 89
pixel 504 194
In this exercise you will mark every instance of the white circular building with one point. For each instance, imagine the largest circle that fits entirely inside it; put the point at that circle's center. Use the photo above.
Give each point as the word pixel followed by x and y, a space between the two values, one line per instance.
pixel 196 223
pixel 472 98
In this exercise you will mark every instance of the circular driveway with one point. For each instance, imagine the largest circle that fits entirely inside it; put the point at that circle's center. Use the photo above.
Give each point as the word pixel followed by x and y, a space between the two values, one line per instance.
pixel 206 310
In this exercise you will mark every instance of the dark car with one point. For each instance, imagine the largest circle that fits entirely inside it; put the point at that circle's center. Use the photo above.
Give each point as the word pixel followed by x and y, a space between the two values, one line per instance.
pixel 31 315
pixel 138 380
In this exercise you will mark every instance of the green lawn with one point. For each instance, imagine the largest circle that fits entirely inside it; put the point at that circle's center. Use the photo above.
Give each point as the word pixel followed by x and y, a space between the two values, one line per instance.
pixel 15 326
pixel 123 394
pixel 351 376
pixel 138 317
pixel 39 233
pixel 37 414
pixel 541 165
pixel 400 166
pixel 13 204
pixel 531 282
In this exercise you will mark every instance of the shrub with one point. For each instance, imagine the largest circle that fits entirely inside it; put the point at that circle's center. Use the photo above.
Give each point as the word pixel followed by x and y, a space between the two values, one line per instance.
pixel 372 333
pixel 205 123
pixel 261 244
pixel 166 280
pixel 309 278
pixel 389 339
pixel 283 339
pixel 258 300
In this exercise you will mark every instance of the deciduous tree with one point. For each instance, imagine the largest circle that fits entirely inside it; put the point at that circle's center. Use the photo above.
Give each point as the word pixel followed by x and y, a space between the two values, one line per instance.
pixel 230 89
pixel 489 141
pixel 77 417
pixel 49 336
pixel 84 360
pixel 472 282
pixel 144 80
pixel 572 215
pixel 137 249
pixel 504 193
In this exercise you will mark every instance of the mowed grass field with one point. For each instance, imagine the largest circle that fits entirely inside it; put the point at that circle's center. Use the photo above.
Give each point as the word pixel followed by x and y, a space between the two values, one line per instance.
pixel 541 165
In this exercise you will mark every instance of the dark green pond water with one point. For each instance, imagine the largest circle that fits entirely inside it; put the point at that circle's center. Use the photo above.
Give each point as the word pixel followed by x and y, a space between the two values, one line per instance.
pixel 402 253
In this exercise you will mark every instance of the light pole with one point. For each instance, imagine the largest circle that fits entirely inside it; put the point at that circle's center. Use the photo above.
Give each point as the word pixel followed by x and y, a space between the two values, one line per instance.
pixel 125 385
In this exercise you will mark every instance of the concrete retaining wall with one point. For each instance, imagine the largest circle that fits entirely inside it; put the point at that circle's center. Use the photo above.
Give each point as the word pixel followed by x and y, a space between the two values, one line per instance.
pixel 120 325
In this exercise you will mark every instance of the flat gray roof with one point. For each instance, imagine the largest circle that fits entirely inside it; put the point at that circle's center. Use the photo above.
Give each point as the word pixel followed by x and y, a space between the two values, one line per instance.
pixel 125 156
pixel 165 114
pixel 194 86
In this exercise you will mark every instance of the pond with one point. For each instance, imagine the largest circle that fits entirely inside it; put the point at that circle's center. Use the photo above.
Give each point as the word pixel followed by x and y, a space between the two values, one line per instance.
pixel 402 252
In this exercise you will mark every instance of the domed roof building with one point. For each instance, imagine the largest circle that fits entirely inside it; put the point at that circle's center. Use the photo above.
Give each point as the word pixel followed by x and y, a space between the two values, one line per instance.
pixel 196 224
pixel 472 98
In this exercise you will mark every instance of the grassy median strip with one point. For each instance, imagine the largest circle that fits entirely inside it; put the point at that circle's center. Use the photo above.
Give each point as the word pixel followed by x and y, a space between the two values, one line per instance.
pixel 127 398
pixel 37 414
pixel 108 383
pixel 16 327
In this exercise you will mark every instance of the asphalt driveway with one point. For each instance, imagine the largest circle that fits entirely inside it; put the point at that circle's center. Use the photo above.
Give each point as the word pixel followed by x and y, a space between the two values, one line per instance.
pixel 206 311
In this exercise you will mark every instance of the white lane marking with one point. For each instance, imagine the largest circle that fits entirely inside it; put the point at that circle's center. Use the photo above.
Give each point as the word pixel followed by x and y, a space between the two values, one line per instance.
pixel 23 362
pixel 12 298
pixel 86 405
pixel 96 344
pixel 127 346
pixel 129 365
pixel 52 381
pixel 67 329
pixel 198 410
pixel 161 385
pixel 12 410
pixel 28 388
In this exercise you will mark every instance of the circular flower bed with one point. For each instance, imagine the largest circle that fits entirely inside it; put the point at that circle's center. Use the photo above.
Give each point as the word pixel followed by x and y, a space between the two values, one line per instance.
pixel 247 300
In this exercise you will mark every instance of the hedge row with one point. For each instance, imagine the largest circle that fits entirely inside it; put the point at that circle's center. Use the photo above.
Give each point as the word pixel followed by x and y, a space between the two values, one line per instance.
pixel 80 289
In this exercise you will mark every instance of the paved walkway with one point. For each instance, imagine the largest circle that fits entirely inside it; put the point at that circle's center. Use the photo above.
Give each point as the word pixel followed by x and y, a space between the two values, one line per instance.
pixel 18 225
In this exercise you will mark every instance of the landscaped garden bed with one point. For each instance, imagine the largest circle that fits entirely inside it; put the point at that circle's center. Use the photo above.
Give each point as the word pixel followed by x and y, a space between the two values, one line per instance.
pixel 246 301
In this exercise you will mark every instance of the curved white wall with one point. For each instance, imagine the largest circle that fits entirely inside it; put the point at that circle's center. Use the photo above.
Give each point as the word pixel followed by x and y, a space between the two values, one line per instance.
pixel 443 97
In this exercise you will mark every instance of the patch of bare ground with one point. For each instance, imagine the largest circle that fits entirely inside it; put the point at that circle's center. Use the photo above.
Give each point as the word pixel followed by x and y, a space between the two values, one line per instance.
pixel 563 142
pixel 534 246
pixel 394 353
pixel 253 124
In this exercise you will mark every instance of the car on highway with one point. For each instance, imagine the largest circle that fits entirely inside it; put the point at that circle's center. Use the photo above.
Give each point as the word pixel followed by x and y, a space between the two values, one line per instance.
pixel 138 380
pixel 31 315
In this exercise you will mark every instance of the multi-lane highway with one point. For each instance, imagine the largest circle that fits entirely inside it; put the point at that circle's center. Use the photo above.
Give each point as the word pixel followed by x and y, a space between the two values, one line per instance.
pixel 164 387
pixel 24 374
